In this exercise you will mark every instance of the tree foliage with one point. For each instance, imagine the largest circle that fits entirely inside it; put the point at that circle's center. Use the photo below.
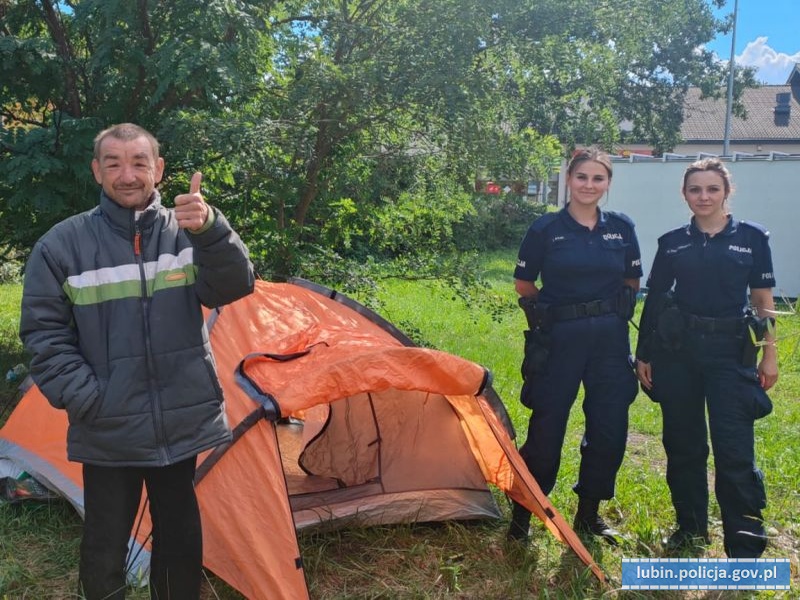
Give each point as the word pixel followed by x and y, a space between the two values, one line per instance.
pixel 354 126
pixel 580 68
pixel 69 69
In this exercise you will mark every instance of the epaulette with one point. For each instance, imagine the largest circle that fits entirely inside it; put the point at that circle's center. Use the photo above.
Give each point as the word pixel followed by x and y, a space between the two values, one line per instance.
pixel 621 216
pixel 683 229
pixel 757 226
pixel 541 222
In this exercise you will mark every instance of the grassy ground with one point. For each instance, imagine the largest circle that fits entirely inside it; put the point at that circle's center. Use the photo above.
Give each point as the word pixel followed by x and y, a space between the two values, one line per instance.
pixel 38 541
pixel 11 353
pixel 642 507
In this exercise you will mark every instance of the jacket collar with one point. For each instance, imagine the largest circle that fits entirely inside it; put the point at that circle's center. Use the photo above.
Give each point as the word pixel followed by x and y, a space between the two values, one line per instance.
pixel 731 228
pixel 602 220
pixel 125 218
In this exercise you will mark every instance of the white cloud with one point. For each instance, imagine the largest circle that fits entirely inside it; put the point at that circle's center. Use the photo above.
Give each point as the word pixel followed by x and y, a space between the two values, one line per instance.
pixel 772 67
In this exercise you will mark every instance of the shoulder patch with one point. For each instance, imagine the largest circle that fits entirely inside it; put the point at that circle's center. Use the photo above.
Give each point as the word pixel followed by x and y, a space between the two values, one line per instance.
pixel 757 226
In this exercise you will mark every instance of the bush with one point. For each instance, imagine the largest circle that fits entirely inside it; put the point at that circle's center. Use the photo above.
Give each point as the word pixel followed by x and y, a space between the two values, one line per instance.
pixel 418 222
pixel 10 271
pixel 496 222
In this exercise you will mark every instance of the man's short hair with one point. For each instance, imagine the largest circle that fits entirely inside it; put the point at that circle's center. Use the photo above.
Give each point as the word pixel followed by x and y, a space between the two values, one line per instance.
pixel 125 132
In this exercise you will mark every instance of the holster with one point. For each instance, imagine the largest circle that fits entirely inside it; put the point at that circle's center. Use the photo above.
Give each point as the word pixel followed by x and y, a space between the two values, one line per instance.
pixel 626 302
pixel 536 313
pixel 537 351
pixel 537 337
pixel 755 332
pixel 670 328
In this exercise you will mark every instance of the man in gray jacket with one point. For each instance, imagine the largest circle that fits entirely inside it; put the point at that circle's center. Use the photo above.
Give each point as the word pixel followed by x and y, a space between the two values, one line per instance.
pixel 112 316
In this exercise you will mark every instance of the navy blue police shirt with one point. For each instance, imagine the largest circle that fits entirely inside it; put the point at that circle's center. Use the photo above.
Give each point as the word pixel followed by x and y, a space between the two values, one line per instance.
pixel 712 274
pixel 578 264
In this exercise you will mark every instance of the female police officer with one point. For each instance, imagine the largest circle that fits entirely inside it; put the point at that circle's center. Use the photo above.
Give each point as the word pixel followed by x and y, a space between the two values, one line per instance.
pixel 695 350
pixel 590 267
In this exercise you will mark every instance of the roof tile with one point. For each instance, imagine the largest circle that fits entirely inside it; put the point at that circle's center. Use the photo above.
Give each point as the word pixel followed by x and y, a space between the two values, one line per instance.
pixel 704 120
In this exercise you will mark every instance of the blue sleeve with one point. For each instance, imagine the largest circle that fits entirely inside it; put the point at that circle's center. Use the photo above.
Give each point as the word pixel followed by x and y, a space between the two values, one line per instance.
pixel 661 276
pixel 762 275
pixel 531 255
pixel 633 258
pixel 658 284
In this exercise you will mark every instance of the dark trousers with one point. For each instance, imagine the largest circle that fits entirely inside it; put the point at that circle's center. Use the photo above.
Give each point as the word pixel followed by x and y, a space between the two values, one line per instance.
pixel 593 351
pixel 111 500
pixel 707 373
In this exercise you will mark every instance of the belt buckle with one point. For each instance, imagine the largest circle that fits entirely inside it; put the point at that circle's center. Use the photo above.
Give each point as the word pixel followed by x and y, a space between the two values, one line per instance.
pixel 592 309
pixel 701 324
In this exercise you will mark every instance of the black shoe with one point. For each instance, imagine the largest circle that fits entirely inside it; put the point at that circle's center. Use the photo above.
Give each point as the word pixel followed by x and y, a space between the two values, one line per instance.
pixel 517 534
pixel 683 540
pixel 588 520
pixel 595 525
pixel 519 529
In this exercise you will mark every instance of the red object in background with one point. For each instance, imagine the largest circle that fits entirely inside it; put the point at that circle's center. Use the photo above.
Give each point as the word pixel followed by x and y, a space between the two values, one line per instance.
pixel 492 187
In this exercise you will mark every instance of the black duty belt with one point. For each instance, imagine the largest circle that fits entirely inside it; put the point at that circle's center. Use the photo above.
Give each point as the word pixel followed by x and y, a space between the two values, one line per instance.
pixel 712 325
pixel 595 308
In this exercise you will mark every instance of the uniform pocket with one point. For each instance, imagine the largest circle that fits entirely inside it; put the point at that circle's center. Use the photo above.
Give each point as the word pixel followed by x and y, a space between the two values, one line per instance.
pixel 614 241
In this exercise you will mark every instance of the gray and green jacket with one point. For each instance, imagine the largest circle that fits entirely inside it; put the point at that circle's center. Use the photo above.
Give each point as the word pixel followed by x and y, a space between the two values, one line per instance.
pixel 112 316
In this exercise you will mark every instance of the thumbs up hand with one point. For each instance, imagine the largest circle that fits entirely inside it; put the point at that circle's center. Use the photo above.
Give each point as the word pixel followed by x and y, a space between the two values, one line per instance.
pixel 191 210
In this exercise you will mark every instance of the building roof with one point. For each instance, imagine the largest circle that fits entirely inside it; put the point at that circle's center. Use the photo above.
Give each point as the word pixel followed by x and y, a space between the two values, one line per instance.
pixel 773 114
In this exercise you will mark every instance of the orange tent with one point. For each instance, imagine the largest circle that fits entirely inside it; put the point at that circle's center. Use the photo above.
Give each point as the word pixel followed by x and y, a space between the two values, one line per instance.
pixel 338 419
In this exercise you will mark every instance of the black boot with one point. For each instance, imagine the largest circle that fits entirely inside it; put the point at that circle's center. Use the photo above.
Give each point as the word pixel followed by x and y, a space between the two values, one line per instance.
pixel 520 523
pixel 587 520
pixel 684 540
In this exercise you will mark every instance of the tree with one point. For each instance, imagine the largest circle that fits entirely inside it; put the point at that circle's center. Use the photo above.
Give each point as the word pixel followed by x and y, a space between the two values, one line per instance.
pixel 580 68
pixel 317 123
pixel 70 68
pixel 365 88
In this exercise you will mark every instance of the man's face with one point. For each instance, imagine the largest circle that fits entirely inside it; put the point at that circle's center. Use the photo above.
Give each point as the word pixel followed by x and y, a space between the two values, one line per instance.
pixel 128 171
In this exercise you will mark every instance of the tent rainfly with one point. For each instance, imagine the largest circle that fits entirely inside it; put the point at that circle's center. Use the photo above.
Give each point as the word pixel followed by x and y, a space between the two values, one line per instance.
pixel 338 419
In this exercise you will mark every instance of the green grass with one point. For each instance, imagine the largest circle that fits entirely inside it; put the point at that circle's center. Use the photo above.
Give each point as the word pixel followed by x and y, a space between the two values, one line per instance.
pixel 38 541
pixel 11 352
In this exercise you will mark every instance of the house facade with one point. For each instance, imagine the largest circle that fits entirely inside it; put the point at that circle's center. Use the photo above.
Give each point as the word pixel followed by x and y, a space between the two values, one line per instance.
pixel 772 122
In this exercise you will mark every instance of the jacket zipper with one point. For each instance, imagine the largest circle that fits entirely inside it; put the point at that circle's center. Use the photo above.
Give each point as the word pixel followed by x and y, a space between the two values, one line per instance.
pixel 151 370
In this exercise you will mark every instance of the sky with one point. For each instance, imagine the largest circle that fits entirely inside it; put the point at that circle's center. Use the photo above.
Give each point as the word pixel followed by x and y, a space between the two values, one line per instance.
pixel 767 37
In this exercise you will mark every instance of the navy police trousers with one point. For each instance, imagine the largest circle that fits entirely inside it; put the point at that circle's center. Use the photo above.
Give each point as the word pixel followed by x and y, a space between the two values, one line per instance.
pixel 593 351
pixel 707 373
